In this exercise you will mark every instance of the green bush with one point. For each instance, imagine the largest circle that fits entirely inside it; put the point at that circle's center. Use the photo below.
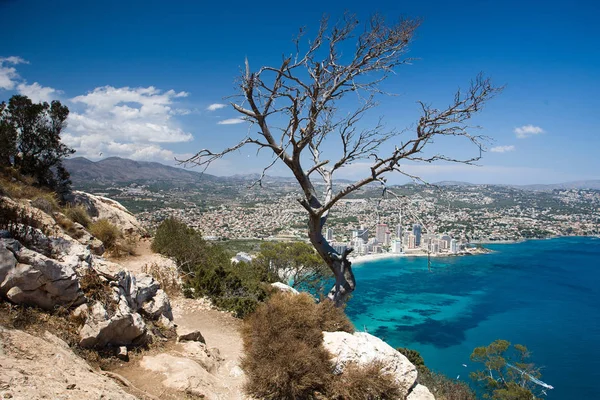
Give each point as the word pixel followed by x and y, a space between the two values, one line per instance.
pixel 78 214
pixel 106 232
pixel 208 270
pixel 442 387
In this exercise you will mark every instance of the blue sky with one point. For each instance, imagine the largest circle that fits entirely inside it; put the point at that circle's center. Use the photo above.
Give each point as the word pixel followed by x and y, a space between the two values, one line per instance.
pixel 140 77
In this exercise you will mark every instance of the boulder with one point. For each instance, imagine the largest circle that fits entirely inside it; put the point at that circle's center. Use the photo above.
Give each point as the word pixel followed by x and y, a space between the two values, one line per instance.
pixel 420 392
pixel 136 289
pixel 85 238
pixel 363 348
pixel 209 359
pixel 184 335
pixel 184 375
pixel 8 262
pixel 38 280
pixel 120 330
pixel 104 208
pixel 33 367
pixel 157 306
pixel 284 288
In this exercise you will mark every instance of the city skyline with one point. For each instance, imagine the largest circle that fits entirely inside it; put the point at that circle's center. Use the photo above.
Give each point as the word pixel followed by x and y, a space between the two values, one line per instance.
pixel 150 81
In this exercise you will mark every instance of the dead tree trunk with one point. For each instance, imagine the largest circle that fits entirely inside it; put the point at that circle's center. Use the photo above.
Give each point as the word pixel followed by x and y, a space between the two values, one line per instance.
pixel 338 263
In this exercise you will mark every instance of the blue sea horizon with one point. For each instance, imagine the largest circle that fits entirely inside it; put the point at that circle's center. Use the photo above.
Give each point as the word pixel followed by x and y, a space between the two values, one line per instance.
pixel 544 294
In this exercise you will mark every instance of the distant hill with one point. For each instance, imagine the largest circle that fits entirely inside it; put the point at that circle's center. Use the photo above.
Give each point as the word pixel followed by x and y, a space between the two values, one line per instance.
pixel 122 170
pixel 591 184
pixel 118 170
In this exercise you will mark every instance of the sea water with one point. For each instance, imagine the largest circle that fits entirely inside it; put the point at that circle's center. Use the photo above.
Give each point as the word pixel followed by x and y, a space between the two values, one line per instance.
pixel 544 294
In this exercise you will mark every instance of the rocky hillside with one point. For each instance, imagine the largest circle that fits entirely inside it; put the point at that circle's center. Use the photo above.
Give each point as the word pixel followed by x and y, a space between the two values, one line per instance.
pixel 61 298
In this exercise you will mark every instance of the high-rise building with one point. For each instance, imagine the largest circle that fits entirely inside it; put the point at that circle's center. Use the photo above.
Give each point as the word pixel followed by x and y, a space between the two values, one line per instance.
pixel 329 234
pixel 396 246
pixel 380 231
pixel 454 246
pixel 417 232
pixel 388 238
pixel 361 233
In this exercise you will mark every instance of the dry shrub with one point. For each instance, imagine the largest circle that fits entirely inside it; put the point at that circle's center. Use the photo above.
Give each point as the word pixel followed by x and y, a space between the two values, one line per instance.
pixel 332 318
pixel 366 382
pixel 96 289
pixel 167 278
pixel 78 214
pixel 17 186
pixel 284 354
pixel 106 232
pixel 36 321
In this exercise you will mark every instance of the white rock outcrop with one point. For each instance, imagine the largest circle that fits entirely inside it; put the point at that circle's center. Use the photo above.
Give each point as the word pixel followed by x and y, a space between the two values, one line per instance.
pixel 134 296
pixel 38 280
pixel 46 368
pixel 104 208
pixel 362 348
pixel 282 287
pixel 420 392
pixel 184 375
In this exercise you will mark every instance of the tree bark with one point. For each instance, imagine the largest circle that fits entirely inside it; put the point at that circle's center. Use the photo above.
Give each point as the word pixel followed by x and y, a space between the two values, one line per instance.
pixel 338 263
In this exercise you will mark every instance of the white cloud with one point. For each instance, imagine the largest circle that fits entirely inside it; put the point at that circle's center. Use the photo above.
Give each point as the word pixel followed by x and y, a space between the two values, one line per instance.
pixel 528 130
pixel 216 106
pixel 126 122
pixel 231 121
pixel 9 75
pixel 38 93
pixel 502 149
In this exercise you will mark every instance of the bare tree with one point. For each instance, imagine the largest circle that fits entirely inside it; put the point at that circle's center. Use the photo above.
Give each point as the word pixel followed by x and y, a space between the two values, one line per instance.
pixel 296 108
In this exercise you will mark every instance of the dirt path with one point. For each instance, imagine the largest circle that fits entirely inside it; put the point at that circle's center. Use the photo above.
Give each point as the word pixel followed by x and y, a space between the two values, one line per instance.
pixel 219 329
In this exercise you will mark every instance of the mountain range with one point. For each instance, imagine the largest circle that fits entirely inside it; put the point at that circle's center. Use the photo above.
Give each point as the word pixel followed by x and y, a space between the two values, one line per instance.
pixel 121 170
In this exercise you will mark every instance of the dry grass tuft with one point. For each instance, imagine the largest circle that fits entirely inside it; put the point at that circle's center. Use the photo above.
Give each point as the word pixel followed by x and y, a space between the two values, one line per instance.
pixel 332 318
pixel 366 382
pixel 106 232
pixel 78 214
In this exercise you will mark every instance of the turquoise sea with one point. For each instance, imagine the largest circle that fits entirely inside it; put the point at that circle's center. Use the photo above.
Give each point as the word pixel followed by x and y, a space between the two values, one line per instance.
pixel 544 294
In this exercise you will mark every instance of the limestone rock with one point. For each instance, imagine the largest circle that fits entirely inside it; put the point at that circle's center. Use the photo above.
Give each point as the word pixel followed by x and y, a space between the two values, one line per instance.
pixel 119 330
pixel 87 239
pixel 284 288
pixel 7 262
pixel 189 335
pixel 363 348
pixel 136 289
pixel 101 207
pixel 45 367
pixel 183 374
pixel 39 281
pixel 157 306
pixel 210 359
pixel 420 392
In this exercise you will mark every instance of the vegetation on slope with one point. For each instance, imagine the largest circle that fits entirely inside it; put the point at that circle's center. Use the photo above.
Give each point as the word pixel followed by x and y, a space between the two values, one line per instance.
pixel 285 358
pixel 208 271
